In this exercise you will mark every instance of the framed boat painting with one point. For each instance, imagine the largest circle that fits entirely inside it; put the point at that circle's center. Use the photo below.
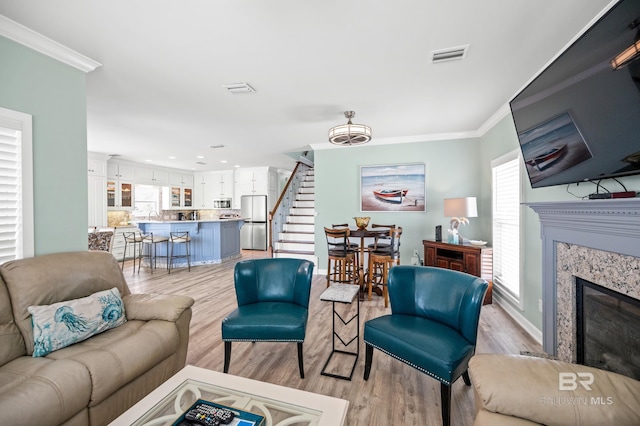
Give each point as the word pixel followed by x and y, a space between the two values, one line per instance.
pixel 393 188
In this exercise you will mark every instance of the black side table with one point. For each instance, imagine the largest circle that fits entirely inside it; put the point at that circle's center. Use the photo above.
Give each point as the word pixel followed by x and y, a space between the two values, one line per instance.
pixel 343 293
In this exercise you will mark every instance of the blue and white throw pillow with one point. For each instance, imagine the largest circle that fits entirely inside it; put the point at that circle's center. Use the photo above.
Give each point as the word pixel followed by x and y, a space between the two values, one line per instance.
pixel 65 323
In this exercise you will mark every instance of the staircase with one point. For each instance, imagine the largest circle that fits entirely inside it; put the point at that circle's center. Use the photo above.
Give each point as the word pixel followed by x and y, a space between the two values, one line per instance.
pixel 296 240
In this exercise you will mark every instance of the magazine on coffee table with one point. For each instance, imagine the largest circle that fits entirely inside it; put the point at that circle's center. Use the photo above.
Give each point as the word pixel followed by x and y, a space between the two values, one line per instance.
pixel 203 412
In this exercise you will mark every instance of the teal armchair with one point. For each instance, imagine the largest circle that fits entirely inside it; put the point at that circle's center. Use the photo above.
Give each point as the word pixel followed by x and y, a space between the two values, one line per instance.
pixel 273 301
pixel 433 324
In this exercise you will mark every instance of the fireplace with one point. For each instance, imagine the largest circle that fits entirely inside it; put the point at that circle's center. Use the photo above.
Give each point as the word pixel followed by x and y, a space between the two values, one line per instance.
pixel 606 332
pixel 594 240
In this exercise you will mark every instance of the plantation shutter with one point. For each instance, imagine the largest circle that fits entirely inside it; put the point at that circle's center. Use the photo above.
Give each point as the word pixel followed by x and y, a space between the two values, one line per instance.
pixel 506 224
pixel 10 193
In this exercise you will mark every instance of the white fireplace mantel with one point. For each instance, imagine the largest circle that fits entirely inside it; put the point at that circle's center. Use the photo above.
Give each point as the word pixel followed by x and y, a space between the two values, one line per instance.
pixel 611 225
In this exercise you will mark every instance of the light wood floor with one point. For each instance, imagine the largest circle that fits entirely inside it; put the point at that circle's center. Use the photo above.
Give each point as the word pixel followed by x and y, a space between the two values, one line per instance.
pixel 395 393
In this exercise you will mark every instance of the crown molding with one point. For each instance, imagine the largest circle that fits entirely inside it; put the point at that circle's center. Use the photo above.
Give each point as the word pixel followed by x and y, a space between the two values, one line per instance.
pixel 36 41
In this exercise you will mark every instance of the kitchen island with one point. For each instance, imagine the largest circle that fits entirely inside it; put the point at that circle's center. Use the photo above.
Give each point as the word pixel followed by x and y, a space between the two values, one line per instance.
pixel 212 241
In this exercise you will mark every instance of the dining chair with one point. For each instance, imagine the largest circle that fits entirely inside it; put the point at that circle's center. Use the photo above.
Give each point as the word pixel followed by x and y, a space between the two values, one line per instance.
pixel 342 257
pixel 381 259
pixel 382 240
pixel 433 325
pixel 346 225
pixel 273 304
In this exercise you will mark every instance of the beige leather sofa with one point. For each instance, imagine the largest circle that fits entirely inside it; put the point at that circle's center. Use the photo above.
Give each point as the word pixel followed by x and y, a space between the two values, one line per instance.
pixel 93 381
pixel 519 390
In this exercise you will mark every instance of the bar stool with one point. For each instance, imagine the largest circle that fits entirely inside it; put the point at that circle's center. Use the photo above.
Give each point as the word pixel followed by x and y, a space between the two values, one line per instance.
pixel 381 259
pixel 346 225
pixel 151 241
pixel 342 255
pixel 180 238
pixel 383 241
pixel 134 238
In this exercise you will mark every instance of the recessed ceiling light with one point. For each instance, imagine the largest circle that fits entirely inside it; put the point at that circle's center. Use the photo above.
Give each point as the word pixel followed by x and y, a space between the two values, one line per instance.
pixel 237 165
pixel 199 156
pixel 148 161
pixel 223 161
pixel 172 158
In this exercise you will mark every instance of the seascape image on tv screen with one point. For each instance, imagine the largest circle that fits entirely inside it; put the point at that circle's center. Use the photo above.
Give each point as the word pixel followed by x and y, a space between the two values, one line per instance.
pixel 579 119
pixel 551 147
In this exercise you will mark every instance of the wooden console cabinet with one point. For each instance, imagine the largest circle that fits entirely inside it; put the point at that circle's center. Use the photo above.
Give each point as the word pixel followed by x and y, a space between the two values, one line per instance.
pixel 474 260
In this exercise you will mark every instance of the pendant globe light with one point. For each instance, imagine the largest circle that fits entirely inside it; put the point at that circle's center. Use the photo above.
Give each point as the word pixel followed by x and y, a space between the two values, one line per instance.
pixel 350 134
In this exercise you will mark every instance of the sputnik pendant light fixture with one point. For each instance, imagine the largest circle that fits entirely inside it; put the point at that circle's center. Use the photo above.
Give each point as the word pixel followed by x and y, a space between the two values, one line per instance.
pixel 350 134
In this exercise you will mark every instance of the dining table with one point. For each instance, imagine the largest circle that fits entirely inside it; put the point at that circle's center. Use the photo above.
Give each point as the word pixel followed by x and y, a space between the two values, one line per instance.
pixel 363 234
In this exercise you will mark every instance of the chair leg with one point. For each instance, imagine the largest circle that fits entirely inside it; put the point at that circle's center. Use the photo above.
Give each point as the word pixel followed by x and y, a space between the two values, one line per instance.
pixel 367 361
pixel 328 272
pixel 300 360
pixel 466 378
pixel 189 255
pixel 385 277
pixel 445 395
pixel 227 356
pixel 124 256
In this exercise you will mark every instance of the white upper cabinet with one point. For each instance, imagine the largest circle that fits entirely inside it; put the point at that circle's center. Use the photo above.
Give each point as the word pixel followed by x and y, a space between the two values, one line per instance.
pixel 150 176
pixel 121 171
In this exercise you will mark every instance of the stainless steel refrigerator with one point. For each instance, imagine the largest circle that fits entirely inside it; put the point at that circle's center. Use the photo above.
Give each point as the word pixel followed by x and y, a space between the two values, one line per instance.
pixel 253 234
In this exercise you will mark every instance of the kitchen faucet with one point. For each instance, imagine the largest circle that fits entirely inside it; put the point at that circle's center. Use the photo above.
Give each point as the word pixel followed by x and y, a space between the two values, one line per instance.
pixel 157 215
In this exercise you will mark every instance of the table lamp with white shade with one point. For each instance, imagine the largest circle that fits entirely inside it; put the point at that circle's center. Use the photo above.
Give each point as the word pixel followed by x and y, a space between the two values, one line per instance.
pixel 459 210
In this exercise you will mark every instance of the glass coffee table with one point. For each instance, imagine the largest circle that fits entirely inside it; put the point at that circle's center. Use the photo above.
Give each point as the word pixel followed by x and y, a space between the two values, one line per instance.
pixel 279 405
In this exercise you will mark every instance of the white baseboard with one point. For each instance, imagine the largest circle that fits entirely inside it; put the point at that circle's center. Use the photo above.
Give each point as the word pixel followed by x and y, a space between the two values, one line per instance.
pixel 531 329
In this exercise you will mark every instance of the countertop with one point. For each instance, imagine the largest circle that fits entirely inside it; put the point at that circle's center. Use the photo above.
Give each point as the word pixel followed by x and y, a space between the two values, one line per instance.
pixel 190 221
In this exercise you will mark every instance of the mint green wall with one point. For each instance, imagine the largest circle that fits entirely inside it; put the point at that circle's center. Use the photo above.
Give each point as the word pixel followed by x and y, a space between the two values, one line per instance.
pixel 501 139
pixel 455 168
pixel 452 170
pixel 54 94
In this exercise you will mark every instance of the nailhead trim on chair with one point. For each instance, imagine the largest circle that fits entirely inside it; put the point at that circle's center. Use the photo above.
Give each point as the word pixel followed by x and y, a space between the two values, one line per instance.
pixel 446 382
pixel 261 340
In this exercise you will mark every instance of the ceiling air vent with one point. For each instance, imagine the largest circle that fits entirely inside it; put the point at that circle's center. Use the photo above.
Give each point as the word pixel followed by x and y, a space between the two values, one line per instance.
pixel 450 54
pixel 201 163
pixel 239 88
pixel 216 146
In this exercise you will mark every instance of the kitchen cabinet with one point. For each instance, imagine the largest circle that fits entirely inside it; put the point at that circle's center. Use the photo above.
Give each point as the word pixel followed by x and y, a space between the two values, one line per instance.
pixel 119 195
pixel 256 181
pixel 117 171
pixel 151 176
pixel 222 183
pixel 204 190
pixel 474 260
pixel 177 197
pixel 117 248
pixel 180 192
pixel 96 166
pixel 181 179
pixel 97 189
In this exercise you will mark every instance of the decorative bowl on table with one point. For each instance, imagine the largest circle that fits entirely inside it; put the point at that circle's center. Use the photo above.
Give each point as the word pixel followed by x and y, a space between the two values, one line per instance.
pixel 479 243
pixel 362 222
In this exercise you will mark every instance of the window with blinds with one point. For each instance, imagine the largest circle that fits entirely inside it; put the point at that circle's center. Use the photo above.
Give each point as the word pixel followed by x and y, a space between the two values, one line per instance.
pixel 11 230
pixel 16 185
pixel 506 223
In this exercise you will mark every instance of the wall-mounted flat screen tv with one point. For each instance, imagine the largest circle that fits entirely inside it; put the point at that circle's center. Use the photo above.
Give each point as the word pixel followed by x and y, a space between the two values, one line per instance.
pixel 579 119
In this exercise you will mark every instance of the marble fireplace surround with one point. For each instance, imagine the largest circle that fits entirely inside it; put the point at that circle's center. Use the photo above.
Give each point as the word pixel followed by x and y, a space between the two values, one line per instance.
pixel 597 240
